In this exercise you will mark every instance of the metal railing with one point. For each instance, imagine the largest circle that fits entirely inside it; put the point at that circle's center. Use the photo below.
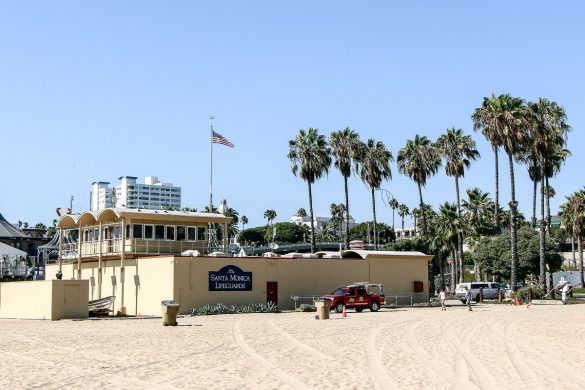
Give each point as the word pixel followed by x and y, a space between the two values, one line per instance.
pixel 397 300
pixel 113 246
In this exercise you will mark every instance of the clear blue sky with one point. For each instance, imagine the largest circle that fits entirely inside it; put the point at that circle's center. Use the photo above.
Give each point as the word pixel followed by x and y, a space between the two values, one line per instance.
pixel 95 90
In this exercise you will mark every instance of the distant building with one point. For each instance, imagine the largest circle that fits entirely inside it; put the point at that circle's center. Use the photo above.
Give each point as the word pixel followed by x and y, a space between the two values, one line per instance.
pixel 26 239
pixel 319 222
pixel 407 233
pixel 152 195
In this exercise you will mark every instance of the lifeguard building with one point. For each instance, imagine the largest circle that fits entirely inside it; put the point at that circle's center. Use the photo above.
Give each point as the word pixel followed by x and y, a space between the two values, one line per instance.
pixel 145 256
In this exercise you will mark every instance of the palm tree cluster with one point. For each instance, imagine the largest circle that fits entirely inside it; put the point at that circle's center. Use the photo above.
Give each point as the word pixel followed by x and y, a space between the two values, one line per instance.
pixel 573 219
pixel 530 133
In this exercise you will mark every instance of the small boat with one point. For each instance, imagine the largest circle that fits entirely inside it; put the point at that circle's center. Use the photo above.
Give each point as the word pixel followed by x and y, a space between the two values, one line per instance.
pixel 101 306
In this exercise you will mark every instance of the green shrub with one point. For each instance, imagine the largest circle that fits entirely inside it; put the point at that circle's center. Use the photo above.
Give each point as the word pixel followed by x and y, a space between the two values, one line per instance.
pixel 526 294
pixel 221 308
pixel 308 307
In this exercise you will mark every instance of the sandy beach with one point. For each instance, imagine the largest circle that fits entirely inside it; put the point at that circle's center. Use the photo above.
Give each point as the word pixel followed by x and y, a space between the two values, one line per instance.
pixel 492 347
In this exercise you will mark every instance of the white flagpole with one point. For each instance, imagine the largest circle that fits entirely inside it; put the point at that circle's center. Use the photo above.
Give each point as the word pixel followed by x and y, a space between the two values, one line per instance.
pixel 211 118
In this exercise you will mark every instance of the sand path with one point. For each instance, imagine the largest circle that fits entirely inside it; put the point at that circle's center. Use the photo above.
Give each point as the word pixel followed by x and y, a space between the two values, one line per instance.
pixel 491 347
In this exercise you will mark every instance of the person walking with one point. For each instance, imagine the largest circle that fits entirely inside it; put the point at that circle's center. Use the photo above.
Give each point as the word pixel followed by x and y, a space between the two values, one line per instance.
pixel 565 292
pixel 468 298
pixel 442 298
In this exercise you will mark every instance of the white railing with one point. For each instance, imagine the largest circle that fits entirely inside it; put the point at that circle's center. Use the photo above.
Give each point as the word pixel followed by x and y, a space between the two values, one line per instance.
pixel 113 246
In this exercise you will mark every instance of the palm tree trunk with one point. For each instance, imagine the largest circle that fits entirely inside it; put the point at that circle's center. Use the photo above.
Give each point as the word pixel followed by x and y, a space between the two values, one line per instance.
pixel 547 207
pixel 580 259
pixel 513 236
pixel 422 209
pixel 346 214
pixel 497 199
pixel 460 260
pixel 393 219
pixel 542 237
pixel 313 246
pixel 534 189
pixel 460 232
pixel 402 225
pixel 453 269
pixel 573 249
pixel 374 213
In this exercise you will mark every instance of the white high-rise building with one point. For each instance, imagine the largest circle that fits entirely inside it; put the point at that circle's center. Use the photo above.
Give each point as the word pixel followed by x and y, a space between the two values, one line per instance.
pixel 100 196
pixel 152 195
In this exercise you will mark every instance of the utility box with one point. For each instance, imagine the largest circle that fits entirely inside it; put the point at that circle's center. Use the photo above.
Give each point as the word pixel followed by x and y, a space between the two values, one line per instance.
pixel 418 286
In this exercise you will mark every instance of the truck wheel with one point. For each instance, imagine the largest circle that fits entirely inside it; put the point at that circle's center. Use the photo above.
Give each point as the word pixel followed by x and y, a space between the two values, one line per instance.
pixel 339 307
pixel 375 306
pixel 359 309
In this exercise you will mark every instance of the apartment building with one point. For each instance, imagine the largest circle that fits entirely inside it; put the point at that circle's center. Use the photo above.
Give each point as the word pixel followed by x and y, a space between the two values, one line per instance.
pixel 153 194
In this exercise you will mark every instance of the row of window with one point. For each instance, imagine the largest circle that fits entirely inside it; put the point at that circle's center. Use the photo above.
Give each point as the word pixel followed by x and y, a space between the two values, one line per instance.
pixel 147 232
pixel 168 232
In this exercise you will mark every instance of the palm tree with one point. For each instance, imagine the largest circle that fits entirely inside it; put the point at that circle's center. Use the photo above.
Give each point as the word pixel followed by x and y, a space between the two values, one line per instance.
pixel 458 150
pixel 301 212
pixel 311 158
pixel 244 221
pixel 487 118
pixel 573 211
pixel 394 205
pixel 547 134
pixel 403 212
pixel 337 213
pixel 374 167
pixel 512 133
pixel 233 226
pixel 418 160
pixel 446 233
pixel 345 146
pixel 270 215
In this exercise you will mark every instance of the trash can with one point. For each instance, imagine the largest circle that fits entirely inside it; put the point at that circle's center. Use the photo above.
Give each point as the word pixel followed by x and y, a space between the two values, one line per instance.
pixel 169 312
pixel 323 306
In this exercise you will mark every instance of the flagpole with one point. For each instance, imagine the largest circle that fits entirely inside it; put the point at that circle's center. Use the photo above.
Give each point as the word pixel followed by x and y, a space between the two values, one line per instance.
pixel 211 118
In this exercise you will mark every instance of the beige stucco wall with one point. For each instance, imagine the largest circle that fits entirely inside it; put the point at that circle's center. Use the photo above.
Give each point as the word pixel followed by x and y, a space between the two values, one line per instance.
pixel 186 279
pixel 44 299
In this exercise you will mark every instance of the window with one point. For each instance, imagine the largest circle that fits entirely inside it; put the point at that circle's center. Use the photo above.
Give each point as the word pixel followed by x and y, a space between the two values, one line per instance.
pixel 85 235
pixel 171 233
pixel 127 231
pixel 137 230
pixel 159 232
pixel 180 233
pixel 191 233
pixel 96 234
pixel 201 234
pixel 148 232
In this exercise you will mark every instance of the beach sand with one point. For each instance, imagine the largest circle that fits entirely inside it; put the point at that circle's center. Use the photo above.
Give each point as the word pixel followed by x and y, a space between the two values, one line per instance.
pixel 494 346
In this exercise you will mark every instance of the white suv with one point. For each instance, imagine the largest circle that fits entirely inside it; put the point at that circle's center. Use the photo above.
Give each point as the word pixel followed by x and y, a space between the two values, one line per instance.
pixel 490 290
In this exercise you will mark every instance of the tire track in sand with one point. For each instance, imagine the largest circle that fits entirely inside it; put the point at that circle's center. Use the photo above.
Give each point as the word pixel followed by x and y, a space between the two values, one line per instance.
pixel 442 370
pixel 319 355
pixel 380 378
pixel 264 363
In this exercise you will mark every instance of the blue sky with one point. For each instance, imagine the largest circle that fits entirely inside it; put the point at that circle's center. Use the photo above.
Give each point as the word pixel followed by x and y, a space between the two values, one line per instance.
pixel 95 90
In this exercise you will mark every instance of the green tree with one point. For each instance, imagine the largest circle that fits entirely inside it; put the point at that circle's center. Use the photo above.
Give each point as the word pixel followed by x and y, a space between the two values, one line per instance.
pixel 254 236
pixel 547 133
pixel 573 213
pixel 374 167
pixel 488 118
pixel 458 150
pixel 310 156
pixel 393 205
pixel 345 146
pixel 244 221
pixel 270 215
pixel 445 239
pixel 403 212
pixel 288 233
pixel 361 231
pixel 418 160
pixel 233 225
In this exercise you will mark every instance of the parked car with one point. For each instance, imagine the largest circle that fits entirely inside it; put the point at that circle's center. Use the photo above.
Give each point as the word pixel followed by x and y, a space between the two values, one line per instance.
pixel 358 296
pixel 491 290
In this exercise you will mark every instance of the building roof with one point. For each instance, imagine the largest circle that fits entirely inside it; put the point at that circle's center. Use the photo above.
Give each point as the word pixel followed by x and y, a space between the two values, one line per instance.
pixel 9 231
pixel 366 254
pixel 7 250
pixel 89 218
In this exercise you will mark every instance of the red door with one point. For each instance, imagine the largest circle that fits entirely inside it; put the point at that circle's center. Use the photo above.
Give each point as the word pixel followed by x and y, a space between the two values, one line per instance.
pixel 272 292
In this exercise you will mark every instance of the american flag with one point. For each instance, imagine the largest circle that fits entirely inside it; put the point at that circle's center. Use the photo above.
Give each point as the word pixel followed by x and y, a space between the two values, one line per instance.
pixel 220 139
